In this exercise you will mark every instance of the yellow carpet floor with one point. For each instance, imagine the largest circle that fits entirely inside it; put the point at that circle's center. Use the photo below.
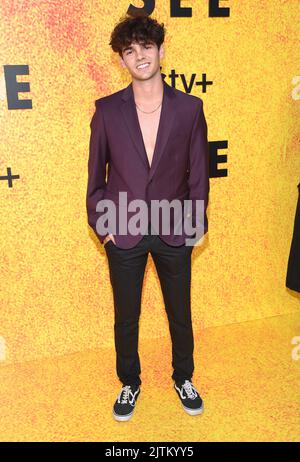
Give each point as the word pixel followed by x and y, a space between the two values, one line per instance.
pixel 246 374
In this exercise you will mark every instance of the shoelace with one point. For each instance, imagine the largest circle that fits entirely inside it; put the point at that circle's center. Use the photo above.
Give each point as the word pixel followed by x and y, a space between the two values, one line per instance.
pixel 190 389
pixel 126 391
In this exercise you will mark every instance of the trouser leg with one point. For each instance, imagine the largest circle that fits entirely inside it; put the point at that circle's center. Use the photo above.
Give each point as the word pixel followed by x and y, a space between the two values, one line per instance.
pixel 127 269
pixel 173 265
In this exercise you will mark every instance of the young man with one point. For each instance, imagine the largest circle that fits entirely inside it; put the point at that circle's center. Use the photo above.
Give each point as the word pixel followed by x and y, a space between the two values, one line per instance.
pixel 154 139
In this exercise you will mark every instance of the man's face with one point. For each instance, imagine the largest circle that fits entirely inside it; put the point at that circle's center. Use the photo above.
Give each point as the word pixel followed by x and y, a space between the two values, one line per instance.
pixel 138 53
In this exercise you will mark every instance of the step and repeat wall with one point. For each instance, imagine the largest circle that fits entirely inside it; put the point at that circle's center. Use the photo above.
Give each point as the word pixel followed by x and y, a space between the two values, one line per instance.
pixel 241 58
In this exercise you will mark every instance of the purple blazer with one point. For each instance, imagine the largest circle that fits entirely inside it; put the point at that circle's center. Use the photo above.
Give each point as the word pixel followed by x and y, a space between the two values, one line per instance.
pixel 180 163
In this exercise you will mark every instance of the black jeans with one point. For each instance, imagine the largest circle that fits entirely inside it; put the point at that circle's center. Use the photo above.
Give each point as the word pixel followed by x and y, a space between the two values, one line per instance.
pixel 126 269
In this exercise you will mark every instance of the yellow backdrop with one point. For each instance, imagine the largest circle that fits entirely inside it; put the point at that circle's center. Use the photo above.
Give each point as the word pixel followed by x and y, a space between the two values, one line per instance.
pixel 55 292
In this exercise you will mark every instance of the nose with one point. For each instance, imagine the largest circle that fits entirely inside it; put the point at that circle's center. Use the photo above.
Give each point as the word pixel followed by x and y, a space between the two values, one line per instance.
pixel 140 54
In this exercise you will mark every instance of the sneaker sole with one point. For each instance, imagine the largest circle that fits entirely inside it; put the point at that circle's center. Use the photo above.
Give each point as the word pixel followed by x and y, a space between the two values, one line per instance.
pixel 122 418
pixel 194 411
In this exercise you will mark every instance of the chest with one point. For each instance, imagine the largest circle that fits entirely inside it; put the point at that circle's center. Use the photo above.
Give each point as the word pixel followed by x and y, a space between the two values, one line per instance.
pixel 149 124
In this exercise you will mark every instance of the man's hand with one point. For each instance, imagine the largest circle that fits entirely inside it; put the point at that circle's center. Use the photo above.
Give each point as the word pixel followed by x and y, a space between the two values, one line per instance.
pixel 110 236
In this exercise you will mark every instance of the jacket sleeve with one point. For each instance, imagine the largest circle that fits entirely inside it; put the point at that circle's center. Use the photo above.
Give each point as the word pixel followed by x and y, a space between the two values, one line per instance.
pixel 98 158
pixel 198 179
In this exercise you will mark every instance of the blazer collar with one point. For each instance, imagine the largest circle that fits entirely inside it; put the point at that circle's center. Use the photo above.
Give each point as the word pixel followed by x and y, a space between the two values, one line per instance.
pixel 167 116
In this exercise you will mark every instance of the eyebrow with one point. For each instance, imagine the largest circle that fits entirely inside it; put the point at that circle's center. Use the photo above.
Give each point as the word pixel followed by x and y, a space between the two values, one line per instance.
pixel 127 48
pixel 130 47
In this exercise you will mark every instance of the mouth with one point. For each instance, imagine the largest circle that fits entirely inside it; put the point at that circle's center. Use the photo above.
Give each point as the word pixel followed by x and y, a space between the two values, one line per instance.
pixel 143 66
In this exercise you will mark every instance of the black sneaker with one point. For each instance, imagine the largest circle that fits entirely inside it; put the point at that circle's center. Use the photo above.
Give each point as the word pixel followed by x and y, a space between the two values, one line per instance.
pixel 125 403
pixel 190 399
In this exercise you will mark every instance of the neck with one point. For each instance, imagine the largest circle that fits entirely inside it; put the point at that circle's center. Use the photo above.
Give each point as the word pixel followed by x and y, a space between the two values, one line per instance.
pixel 148 90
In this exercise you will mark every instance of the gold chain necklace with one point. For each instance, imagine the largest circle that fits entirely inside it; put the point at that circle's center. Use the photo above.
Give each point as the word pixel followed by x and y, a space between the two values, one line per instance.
pixel 150 111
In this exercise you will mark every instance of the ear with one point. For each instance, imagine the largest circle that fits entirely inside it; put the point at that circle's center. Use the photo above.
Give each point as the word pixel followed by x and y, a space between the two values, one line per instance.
pixel 161 52
pixel 122 62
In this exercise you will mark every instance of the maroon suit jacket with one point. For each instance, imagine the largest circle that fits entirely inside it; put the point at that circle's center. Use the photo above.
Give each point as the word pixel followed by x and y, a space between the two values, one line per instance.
pixel 180 163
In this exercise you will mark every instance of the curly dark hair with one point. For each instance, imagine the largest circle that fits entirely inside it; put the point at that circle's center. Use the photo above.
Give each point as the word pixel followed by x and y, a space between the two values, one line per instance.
pixel 142 29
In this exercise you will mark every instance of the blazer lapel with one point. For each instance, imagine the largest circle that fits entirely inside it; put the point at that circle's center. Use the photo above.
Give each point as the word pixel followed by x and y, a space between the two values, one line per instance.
pixel 167 115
